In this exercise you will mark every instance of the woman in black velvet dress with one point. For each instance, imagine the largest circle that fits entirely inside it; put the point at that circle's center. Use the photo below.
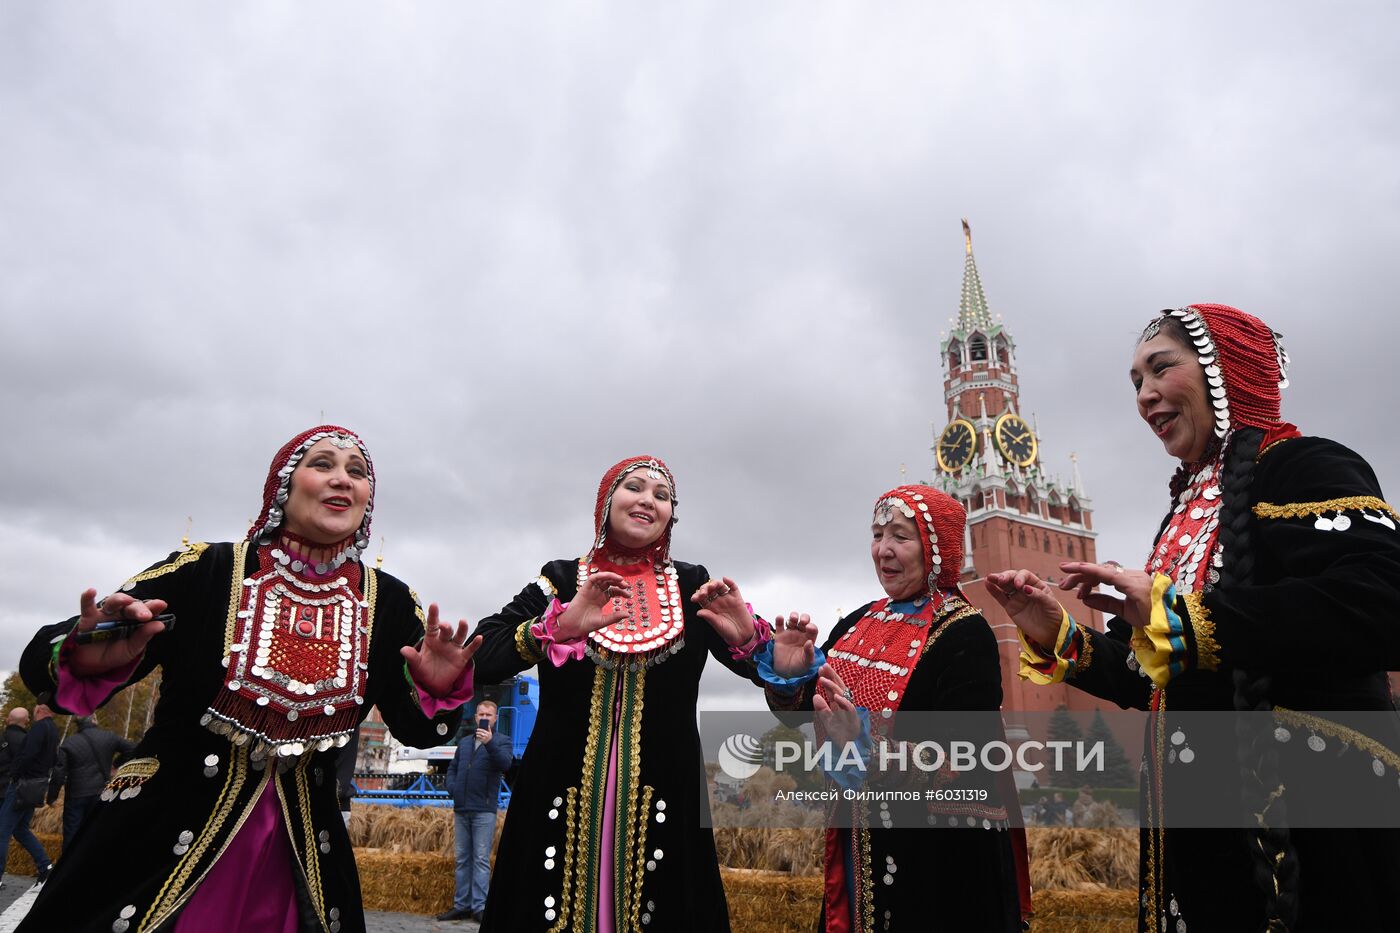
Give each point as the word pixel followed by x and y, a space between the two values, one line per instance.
pixel 605 829
pixel 1273 585
pixel 949 858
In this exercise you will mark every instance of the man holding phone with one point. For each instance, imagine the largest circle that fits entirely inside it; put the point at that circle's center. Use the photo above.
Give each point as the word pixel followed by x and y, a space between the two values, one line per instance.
pixel 474 781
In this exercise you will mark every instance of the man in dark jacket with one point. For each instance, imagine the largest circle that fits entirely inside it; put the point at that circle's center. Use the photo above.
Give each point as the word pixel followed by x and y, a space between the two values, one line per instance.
pixel 84 765
pixel 474 781
pixel 16 728
pixel 34 762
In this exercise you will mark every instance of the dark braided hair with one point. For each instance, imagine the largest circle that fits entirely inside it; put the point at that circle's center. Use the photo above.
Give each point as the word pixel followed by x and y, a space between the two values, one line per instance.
pixel 1274 858
pixel 1275 861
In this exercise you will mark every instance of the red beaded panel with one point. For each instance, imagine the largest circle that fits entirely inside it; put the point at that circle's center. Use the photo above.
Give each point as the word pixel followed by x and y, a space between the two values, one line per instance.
pixel 876 656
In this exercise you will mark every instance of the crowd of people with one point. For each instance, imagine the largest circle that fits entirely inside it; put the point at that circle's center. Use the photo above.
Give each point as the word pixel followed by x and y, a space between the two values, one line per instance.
pixel 1273 581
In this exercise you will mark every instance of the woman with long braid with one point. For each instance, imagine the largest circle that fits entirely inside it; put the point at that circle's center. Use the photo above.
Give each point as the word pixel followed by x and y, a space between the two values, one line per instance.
pixel 1273 584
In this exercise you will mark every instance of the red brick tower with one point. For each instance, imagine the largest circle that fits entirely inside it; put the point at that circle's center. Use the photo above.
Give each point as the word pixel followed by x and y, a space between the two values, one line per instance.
pixel 1018 515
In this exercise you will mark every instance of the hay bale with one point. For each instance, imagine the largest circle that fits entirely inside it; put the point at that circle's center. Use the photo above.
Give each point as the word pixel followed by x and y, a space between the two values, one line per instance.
pixel 770 901
pixel 1065 859
pixel 405 882
pixel 1099 911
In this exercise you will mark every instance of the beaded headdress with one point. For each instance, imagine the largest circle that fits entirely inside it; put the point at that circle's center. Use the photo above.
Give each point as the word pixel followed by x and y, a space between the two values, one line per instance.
pixel 277 489
pixel 940 519
pixel 654 625
pixel 655 468
pixel 1244 360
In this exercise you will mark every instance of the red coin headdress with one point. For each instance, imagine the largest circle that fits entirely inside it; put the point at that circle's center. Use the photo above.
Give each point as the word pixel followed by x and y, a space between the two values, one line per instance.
pixel 941 521
pixel 1245 367
pixel 654 624
pixel 278 486
pixel 656 469
pixel 1244 361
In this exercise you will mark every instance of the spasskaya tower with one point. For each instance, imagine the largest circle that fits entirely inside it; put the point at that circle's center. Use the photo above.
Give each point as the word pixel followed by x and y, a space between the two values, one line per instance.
pixel 988 456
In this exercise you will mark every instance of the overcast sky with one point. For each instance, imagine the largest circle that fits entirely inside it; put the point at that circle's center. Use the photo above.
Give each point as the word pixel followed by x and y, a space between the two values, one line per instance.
pixel 509 250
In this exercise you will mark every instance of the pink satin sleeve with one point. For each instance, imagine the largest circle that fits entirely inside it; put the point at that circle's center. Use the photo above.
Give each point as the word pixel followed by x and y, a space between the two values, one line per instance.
pixel 460 693
pixel 81 695
pixel 762 634
pixel 546 631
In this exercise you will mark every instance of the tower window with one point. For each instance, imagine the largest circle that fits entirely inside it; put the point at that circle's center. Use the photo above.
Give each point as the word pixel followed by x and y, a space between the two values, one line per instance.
pixel 1021 537
pixel 977 348
pixel 1046 546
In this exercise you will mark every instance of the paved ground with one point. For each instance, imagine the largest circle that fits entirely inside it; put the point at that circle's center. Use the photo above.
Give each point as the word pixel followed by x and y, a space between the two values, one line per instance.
pixel 16 885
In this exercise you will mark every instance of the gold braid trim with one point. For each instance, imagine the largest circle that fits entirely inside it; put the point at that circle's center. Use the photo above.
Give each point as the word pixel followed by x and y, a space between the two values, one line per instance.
pixel 1207 648
pixel 418 608
pixel 643 812
pixel 1086 652
pixel 1260 456
pixel 1156 854
pixel 589 827
pixel 178 888
pixel 571 822
pixel 235 595
pixel 526 644
pixel 189 557
pixel 1313 509
pixel 626 838
pixel 865 918
pixel 957 614
pixel 313 852
pixel 1338 731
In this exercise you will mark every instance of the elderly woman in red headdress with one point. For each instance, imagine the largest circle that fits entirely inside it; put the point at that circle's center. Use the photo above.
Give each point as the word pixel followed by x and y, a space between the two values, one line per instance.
pixel 949 863
pixel 605 829
pixel 1273 584
pixel 225 816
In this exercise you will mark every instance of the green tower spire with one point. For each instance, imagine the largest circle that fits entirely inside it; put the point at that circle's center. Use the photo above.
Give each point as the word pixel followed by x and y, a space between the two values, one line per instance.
pixel 972 307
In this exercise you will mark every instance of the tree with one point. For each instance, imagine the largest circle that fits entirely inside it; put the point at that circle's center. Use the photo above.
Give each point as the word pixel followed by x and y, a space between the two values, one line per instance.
pixel 128 714
pixel 1063 726
pixel 16 694
pixel 1116 772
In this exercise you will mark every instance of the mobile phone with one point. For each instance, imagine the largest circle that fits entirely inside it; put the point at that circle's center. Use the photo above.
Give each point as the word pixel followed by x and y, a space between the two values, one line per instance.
pixel 484 724
pixel 114 629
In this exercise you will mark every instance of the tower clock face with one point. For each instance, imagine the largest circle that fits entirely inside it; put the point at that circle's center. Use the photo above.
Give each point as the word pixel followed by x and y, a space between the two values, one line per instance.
pixel 956 445
pixel 1014 439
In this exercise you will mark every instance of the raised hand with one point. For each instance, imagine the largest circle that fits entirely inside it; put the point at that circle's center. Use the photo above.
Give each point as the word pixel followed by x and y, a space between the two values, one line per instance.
pixel 835 706
pixel 436 664
pixel 586 611
pixel 794 644
pixel 724 608
pixel 1136 586
pixel 1030 602
pixel 103 656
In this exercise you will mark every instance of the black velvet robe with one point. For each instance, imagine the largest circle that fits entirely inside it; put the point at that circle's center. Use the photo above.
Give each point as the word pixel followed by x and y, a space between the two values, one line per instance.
pixel 1322 618
pixel 666 874
pixel 957 878
pixel 130 861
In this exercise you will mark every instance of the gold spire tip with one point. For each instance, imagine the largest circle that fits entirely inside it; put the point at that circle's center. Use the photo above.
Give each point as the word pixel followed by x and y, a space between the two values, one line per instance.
pixel 967 236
